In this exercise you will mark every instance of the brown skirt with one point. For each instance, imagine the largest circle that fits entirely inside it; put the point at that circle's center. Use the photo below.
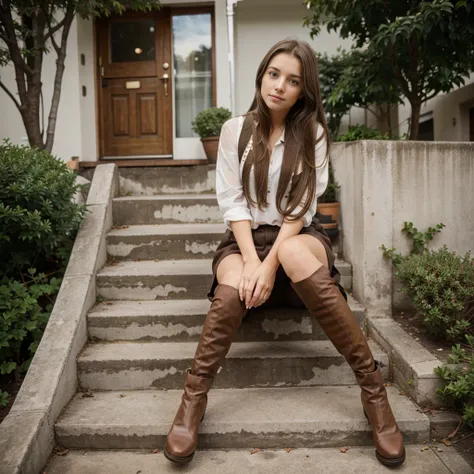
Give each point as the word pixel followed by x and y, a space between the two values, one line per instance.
pixel 264 237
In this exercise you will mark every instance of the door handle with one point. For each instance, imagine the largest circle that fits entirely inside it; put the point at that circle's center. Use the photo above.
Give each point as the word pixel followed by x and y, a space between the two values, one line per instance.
pixel 165 78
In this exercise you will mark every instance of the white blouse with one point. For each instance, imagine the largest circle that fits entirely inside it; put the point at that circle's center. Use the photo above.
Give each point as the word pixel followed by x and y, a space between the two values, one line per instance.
pixel 229 189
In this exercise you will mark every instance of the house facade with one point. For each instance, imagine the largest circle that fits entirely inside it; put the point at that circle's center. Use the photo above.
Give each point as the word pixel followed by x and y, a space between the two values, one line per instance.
pixel 134 83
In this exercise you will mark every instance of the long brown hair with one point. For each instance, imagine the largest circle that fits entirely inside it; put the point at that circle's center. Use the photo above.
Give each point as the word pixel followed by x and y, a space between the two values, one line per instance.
pixel 300 135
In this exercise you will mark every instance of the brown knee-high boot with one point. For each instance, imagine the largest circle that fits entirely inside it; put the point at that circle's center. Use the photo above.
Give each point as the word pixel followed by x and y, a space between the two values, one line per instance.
pixel 222 322
pixel 323 299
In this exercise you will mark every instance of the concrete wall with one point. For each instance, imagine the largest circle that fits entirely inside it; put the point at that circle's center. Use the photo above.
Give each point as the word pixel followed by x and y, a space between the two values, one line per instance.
pixel 384 184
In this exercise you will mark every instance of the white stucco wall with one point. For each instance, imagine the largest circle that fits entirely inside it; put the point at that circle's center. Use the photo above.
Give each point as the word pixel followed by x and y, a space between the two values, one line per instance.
pixel 261 23
pixel 67 142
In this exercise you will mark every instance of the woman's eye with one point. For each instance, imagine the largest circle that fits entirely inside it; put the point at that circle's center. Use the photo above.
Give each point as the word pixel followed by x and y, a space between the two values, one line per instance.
pixel 294 82
pixel 273 74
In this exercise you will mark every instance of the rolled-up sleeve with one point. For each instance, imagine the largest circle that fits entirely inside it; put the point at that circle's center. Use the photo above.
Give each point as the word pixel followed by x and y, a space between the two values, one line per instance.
pixel 230 195
pixel 322 176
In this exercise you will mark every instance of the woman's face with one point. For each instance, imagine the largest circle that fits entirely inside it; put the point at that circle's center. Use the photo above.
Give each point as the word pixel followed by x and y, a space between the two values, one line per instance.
pixel 282 83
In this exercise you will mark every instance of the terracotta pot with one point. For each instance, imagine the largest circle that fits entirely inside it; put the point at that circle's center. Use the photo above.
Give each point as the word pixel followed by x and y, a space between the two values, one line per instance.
pixel 210 145
pixel 329 217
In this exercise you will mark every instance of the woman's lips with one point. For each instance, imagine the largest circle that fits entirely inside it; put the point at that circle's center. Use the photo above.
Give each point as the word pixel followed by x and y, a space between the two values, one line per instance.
pixel 276 98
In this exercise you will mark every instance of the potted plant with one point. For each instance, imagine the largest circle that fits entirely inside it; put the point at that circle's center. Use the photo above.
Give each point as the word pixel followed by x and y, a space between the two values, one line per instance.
pixel 329 207
pixel 207 124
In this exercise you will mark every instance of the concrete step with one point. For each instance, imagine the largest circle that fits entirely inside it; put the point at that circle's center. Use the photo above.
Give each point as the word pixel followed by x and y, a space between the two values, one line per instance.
pixel 167 180
pixel 182 320
pixel 269 461
pixel 248 418
pixel 166 209
pixel 167 279
pixel 168 241
pixel 133 365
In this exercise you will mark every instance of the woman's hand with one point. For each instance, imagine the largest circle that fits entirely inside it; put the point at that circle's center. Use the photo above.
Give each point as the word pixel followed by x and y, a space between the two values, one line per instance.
pixel 261 284
pixel 249 268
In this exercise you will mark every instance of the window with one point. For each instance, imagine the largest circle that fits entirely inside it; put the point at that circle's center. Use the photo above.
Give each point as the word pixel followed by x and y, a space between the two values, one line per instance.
pixel 193 72
pixel 132 41
pixel 426 130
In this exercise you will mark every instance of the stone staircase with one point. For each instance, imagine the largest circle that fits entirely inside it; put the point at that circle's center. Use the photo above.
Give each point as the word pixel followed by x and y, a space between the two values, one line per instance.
pixel 282 385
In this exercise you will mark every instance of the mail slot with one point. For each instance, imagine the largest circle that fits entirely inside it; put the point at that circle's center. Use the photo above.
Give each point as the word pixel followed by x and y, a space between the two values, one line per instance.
pixel 132 85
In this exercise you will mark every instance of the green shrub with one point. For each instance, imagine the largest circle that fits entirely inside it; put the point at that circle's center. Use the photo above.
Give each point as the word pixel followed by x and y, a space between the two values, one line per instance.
pixel 4 396
pixel 208 123
pixel 440 284
pixel 329 194
pixel 25 308
pixel 362 132
pixel 459 388
pixel 38 219
pixel 38 224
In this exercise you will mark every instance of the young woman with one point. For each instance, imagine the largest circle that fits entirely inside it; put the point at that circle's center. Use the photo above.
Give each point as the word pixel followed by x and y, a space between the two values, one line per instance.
pixel 273 252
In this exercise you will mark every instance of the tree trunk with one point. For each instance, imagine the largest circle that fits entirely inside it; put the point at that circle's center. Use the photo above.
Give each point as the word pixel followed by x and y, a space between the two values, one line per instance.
pixel 415 120
pixel 31 121
pixel 58 78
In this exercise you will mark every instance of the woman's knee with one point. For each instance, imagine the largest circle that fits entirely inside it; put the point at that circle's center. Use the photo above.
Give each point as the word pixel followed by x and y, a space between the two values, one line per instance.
pixel 230 270
pixel 289 250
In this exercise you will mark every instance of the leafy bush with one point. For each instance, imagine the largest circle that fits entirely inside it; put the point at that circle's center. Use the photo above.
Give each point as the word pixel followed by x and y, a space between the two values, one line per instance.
pixel 440 284
pixel 441 287
pixel 24 312
pixel 362 132
pixel 38 224
pixel 459 388
pixel 208 123
pixel 38 219
pixel 4 396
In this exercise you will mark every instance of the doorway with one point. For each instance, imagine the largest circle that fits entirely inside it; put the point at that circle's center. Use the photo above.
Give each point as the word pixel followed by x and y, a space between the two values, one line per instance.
pixel 135 99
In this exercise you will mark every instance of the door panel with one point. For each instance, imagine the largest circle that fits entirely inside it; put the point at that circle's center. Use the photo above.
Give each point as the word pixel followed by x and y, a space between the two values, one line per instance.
pixel 120 115
pixel 147 114
pixel 136 110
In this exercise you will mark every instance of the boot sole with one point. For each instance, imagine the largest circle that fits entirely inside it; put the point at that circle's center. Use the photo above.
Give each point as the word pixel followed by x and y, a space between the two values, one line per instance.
pixel 388 462
pixel 178 459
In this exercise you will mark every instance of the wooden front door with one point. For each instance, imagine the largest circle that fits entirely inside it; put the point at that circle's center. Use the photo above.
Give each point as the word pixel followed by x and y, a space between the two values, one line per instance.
pixel 135 85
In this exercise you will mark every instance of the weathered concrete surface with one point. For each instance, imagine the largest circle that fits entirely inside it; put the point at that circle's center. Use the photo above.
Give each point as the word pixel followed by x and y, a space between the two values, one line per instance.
pixel 51 380
pixel 26 441
pixel 413 365
pixel 80 196
pixel 247 418
pixel 182 320
pixel 130 366
pixel 166 279
pixel 384 184
pixel 166 209
pixel 167 180
pixel 168 241
pixel 308 461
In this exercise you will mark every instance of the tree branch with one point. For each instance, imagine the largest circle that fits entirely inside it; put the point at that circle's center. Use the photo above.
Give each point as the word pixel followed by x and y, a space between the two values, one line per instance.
pixel 12 97
pixel 53 112
pixel 54 29
pixel 396 71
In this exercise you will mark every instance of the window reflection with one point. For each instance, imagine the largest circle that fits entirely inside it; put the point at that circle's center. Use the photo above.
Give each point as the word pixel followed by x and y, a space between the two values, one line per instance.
pixel 192 50
pixel 132 41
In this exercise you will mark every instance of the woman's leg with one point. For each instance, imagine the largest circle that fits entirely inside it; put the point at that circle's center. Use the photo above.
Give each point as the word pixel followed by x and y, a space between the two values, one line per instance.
pixel 304 260
pixel 220 326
